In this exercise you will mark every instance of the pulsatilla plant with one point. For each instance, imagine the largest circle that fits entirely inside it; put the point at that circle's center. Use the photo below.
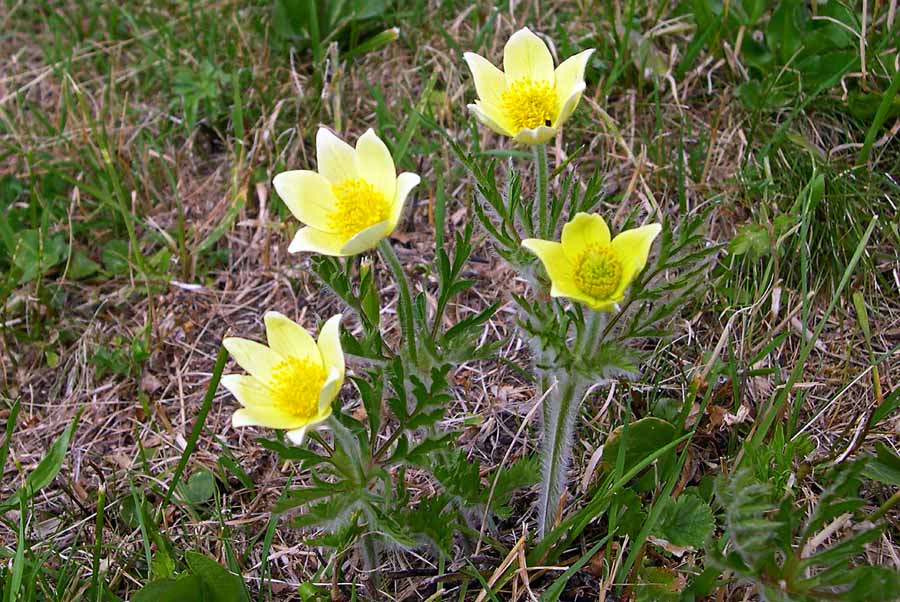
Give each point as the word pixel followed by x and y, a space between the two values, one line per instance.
pixel 603 298
pixel 605 295
pixel 360 455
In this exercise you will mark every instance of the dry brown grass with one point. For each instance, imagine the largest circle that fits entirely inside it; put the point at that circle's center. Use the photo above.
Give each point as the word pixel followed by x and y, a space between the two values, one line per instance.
pixel 190 313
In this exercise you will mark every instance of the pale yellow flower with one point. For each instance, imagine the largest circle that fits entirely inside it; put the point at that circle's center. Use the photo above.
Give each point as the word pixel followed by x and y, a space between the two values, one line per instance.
pixel 292 381
pixel 531 100
pixel 352 202
pixel 589 267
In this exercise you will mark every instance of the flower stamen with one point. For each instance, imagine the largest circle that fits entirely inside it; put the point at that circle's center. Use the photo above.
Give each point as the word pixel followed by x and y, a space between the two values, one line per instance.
pixel 529 103
pixel 358 207
pixel 296 384
pixel 598 272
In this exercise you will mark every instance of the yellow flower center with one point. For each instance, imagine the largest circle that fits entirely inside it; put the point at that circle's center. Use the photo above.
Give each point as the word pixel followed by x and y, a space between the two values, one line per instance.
pixel 296 384
pixel 598 272
pixel 358 206
pixel 529 104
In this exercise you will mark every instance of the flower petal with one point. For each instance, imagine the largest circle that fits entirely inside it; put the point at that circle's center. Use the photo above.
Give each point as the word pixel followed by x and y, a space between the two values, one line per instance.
pixel 335 158
pixel 491 117
pixel 375 164
pixel 490 82
pixel 567 108
pixel 405 183
pixel 317 241
pixel 308 196
pixel 247 390
pixel 330 389
pixel 289 338
pixel 366 239
pixel 570 290
pixel 268 417
pixel 558 266
pixel 329 344
pixel 538 135
pixel 526 55
pixel 297 436
pixel 632 247
pixel 584 230
pixel 570 83
pixel 255 358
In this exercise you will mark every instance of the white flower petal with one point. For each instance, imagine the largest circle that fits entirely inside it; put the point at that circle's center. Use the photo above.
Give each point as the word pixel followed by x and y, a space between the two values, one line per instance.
pixel 289 338
pixel 490 82
pixel 375 164
pixel 527 56
pixel 317 241
pixel 539 135
pixel 405 183
pixel 570 83
pixel 367 239
pixel 491 117
pixel 329 344
pixel 255 358
pixel 308 196
pixel 336 159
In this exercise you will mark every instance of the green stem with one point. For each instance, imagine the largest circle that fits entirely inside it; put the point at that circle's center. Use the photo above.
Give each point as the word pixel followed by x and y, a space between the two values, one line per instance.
pixel 541 198
pixel 404 306
pixel 221 358
pixel 556 449
pixel 321 441
pixel 386 446
pixel 890 503
pixel 593 322
pixel 368 549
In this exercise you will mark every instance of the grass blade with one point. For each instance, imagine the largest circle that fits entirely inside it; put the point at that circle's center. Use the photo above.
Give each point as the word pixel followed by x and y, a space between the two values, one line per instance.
pixel 221 358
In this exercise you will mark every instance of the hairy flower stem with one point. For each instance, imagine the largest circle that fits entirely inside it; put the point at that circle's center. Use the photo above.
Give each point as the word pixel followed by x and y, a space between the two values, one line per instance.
pixel 560 411
pixel 590 337
pixel 541 197
pixel 405 306
pixel 369 552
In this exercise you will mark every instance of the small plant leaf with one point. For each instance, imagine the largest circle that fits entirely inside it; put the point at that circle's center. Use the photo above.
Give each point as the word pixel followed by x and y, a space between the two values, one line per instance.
pixel 885 466
pixel 685 522
pixel 219 584
pixel 47 470
pixel 200 488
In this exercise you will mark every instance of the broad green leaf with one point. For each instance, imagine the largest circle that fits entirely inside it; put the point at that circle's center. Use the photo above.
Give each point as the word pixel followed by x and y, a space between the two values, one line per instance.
pixel 200 488
pixel 35 257
pixel 821 68
pixel 783 33
pixel 187 588
pixel 656 584
pixel 632 516
pixel 155 591
pixel 82 266
pixel 115 257
pixel 645 436
pixel 220 585
pixel 752 239
pixel 163 566
pixel 310 592
pixel 753 10
pixel 685 522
